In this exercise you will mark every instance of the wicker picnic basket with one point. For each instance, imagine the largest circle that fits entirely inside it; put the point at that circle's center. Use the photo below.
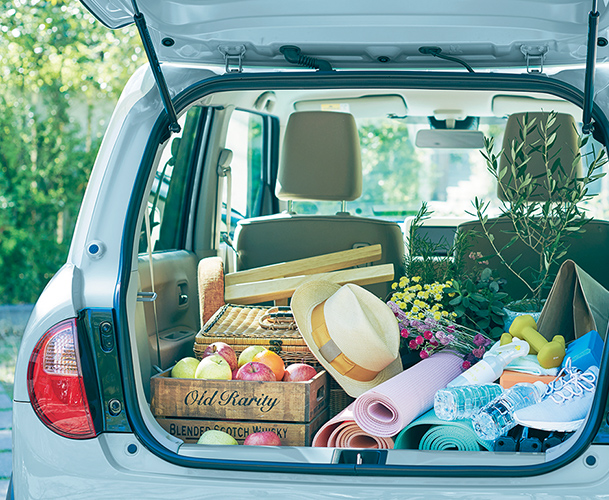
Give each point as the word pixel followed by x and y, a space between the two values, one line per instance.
pixel 243 326
pixel 272 327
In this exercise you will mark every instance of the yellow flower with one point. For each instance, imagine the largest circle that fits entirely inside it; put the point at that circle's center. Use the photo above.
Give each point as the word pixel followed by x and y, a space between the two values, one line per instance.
pixel 421 315
pixel 438 297
pixel 416 279
pixel 415 309
pixel 452 294
pixel 445 313
pixel 437 315
pixel 394 286
pixel 454 315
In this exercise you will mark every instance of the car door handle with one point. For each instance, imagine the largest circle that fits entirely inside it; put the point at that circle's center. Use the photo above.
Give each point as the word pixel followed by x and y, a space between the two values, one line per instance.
pixel 182 294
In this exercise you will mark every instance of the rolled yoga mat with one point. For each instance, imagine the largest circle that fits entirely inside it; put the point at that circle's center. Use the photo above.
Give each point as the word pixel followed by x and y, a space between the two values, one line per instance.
pixel 342 432
pixel 428 432
pixel 389 407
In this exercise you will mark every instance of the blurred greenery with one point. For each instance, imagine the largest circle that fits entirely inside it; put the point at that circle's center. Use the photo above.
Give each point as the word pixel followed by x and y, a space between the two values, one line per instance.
pixel 62 72
pixel 390 164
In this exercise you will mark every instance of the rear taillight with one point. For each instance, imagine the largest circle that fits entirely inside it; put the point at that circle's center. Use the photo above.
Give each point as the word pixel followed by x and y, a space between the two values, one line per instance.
pixel 55 383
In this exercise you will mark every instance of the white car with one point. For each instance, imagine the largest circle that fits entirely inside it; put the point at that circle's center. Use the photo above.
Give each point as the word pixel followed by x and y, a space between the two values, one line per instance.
pixel 198 161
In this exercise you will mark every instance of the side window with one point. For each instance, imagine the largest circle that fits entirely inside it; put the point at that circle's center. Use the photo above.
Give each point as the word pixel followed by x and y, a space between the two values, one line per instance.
pixel 245 139
pixel 169 198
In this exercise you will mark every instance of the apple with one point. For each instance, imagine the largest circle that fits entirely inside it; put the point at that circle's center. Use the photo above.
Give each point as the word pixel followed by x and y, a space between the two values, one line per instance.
pixel 267 438
pixel 185 368
pixel 214 367
pixel 216 437
pixel 299 372
pixel 248 354
pixel 256 371
pixel 223 350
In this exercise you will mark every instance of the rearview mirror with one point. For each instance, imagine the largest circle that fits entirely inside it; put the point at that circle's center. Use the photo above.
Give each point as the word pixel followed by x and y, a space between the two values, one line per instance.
pixel 450 139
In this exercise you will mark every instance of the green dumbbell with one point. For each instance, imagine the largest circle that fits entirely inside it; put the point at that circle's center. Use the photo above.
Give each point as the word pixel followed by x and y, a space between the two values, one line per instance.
pixel 549 354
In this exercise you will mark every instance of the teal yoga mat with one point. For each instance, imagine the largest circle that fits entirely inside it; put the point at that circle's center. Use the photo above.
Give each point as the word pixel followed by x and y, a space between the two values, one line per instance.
pixel 428 432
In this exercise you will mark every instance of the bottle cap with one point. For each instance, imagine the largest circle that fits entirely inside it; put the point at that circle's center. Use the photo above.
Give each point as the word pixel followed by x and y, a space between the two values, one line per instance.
pixel 540 386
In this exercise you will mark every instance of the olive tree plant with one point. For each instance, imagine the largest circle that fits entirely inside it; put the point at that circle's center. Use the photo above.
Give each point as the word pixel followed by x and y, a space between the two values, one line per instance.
pixel 541 225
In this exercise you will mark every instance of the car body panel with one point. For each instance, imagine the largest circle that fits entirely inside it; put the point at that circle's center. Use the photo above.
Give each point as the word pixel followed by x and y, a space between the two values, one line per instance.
pixel 105 468
pixel 356 34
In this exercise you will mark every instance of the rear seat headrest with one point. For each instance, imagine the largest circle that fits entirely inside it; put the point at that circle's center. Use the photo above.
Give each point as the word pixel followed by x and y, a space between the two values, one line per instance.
pixel 565 147
pixel 321 158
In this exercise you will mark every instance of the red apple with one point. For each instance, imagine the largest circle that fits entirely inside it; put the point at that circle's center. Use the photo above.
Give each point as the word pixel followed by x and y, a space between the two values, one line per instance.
pixel 256 371
pixel 299 372
pixel 223 350
pixel 267 438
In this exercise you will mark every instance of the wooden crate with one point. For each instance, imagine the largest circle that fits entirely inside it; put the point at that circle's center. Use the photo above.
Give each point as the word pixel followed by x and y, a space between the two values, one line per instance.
pixel 239 399
pixel 291 434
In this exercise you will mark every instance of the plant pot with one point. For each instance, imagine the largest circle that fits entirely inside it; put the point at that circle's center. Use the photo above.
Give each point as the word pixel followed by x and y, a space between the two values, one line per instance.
pixel 510 316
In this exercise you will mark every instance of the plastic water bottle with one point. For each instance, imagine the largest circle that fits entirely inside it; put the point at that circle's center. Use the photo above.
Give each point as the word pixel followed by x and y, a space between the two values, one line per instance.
pixel 455 403
pixel 491 366
pixel 497 417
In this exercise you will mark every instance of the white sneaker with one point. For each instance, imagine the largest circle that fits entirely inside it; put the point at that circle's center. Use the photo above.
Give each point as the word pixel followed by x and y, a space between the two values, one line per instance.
pixel 566 402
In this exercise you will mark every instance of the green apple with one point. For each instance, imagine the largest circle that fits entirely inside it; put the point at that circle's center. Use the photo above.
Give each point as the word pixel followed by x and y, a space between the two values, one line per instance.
pixel 248 354
pixel 216 437
pixel 214 367
pixel 185 368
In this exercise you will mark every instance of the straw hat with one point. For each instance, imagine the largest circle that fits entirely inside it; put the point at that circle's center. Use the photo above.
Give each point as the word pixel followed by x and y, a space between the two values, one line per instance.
pixel 351 332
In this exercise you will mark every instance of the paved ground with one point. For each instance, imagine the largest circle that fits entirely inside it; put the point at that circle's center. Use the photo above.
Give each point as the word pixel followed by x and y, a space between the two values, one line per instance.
pixel 6 455
pixel 12 319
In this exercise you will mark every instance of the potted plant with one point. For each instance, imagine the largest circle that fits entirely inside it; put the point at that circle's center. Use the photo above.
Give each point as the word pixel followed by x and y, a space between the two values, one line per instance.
pixel 539 224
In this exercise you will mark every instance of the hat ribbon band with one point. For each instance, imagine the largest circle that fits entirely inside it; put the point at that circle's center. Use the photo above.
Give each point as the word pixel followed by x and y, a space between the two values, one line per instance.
pixel 332 353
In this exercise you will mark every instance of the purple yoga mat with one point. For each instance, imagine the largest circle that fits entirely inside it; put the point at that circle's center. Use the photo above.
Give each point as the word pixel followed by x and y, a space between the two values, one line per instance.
pixel 389 407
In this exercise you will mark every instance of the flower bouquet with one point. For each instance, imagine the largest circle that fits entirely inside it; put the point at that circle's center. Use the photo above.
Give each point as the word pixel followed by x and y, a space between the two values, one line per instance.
pixel 430 332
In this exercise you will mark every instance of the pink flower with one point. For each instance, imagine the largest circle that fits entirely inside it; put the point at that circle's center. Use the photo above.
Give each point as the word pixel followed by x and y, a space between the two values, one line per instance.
pixel 419 340
pixel 404 333
pixel 427 334
pixel 413 344
pixel 466 365
pixel 450 329
pixel 434 343
pixel 424 354
pixel 480 340
pixel 478 352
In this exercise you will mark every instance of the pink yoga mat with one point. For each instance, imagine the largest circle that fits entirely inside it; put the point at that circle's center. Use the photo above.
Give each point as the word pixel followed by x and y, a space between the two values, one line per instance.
pixel 342 432
pixel 389 407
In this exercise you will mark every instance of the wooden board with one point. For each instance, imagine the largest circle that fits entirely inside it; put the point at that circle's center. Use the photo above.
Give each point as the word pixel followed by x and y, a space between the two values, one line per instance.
pixel 239 399
pixel 291 434
pixel 311 265
pixel 263 291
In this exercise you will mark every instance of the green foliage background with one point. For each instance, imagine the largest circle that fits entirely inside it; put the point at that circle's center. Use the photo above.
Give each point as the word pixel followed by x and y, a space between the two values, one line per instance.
pixel 62 72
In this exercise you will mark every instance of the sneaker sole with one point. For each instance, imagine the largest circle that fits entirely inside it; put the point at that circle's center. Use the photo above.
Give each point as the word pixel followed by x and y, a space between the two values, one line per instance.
pixel 552 426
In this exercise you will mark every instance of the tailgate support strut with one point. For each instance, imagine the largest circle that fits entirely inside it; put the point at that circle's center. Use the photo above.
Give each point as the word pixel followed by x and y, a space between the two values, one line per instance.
pixel 155 66
pixel 593 16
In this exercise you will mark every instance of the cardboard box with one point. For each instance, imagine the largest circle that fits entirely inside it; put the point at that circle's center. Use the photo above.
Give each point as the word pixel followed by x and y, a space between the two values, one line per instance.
pixel 510 378
pixel 238 399
pixel 291 434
